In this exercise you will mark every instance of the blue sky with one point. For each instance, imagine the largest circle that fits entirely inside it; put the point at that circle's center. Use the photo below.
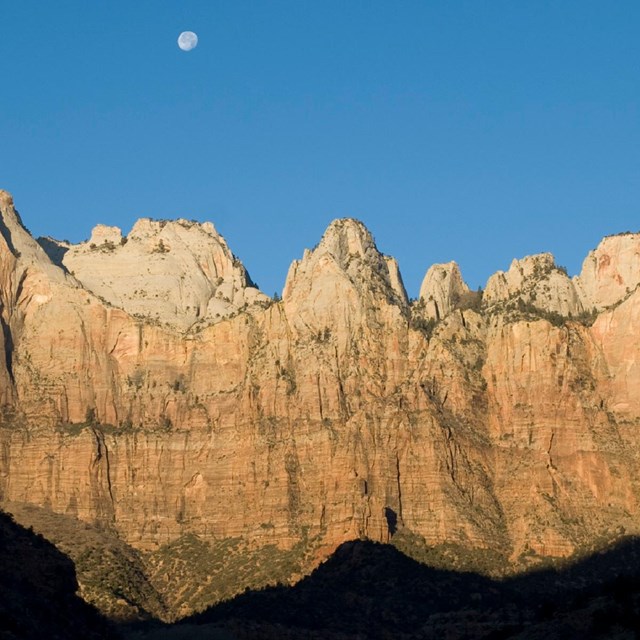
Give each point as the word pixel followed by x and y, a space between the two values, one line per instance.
pixel 477 131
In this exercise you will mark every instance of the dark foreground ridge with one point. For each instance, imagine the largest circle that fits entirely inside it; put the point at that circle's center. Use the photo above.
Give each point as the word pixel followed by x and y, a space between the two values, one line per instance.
pixel 38 591
pixel 365 590
pixel 372 591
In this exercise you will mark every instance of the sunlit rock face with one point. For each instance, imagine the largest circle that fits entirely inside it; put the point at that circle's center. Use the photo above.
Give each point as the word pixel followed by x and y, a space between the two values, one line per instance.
pixel 441 289
pixel 179 273
pixel 148 385
pixel 535 281
pixel 611 272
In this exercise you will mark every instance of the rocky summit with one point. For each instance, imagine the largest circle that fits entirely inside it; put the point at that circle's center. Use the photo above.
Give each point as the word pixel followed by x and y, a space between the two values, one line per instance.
pixel 182 436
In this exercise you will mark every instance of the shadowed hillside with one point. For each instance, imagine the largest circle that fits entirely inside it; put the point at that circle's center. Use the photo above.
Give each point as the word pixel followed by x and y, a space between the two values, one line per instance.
pixel 38 591
pixel 364 590
pixel 111 574
pixel 370 590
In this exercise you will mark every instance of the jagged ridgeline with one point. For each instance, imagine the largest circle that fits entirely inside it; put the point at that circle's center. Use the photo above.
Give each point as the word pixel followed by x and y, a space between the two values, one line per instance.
pixel 212 439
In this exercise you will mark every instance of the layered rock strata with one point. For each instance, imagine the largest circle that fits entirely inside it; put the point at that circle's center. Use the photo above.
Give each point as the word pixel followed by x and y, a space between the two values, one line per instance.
pixel 341 411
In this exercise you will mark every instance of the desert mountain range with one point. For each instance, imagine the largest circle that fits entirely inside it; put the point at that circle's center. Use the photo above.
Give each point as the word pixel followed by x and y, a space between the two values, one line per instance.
pixel 153 397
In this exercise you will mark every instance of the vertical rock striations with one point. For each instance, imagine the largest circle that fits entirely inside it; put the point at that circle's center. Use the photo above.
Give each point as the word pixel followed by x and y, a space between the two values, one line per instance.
pixel 147 386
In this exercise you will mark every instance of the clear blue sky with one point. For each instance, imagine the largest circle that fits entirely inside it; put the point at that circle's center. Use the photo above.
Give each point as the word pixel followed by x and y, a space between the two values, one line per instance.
pixel 477 131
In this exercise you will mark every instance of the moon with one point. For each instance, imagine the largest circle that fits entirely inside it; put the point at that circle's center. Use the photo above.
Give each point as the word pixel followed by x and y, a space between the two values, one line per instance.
pixel 187 40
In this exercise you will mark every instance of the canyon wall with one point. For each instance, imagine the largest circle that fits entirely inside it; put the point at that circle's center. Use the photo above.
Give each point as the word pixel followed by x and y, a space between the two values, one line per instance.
pixel 148 386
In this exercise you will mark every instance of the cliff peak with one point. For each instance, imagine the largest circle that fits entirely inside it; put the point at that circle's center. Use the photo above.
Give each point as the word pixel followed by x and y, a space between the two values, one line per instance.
pixel 610 272
pixel 441 288
pixel 535 280
pixel 20 245
pixel 178 272
pixel 6 199
pixel 347 237
pixel 348 251
pixel 102 233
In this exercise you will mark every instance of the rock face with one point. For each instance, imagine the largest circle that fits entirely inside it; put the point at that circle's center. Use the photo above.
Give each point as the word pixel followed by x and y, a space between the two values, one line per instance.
pixel 176 273
pixel 441 289
pixel 610 272
pixel 336 413
pixel 535 281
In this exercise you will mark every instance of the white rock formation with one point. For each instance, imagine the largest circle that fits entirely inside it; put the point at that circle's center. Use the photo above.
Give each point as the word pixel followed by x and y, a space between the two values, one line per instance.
pixel 537 281
pixel 610 272
pixel 178 273
pixel 347 245
pixel 441 289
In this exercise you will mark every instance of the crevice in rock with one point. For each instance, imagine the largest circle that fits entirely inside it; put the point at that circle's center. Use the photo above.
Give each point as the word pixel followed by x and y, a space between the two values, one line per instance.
pixel 20 287
pixel 399 488
pixel 6 234
pixel 319 397
pixel 8 349
pixel 550 464
pixel 344 407
pixel 102 451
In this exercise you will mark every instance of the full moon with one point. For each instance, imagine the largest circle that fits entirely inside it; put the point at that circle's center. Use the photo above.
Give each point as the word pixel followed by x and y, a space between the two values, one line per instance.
pixel 187 40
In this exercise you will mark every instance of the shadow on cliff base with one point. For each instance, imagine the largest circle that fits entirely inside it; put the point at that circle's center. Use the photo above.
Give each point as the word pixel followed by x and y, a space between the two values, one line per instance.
pixel 370 590
pixel 38 591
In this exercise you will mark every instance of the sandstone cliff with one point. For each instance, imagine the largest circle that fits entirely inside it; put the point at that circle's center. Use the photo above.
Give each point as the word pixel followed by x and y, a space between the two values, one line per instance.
pixel 506 425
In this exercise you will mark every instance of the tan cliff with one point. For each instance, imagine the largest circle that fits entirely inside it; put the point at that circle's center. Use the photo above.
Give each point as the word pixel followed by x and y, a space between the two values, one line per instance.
pixel 341 411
